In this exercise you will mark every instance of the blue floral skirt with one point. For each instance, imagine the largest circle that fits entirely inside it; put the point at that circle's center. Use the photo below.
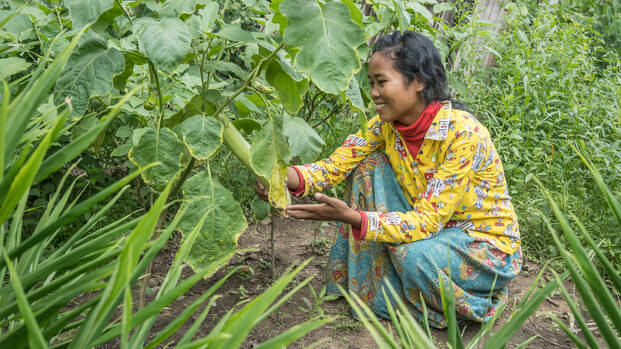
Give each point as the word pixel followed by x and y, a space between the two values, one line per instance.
pixel 474 265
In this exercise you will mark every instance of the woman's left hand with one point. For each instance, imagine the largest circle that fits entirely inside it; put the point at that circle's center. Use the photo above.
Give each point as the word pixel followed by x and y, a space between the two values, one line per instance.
pixel 329 209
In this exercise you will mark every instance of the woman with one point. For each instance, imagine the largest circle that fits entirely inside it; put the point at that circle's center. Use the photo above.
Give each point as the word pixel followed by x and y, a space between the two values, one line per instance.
pixel 426 194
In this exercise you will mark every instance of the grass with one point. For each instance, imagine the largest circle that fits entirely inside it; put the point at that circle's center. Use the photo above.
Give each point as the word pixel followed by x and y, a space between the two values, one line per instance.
pixel 555 82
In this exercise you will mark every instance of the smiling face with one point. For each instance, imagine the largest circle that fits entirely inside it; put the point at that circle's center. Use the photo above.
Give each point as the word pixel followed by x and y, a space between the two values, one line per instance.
pixel 395 99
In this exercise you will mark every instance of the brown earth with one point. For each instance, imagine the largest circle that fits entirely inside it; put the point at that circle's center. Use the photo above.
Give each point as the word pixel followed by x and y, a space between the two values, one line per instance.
pixel 298 240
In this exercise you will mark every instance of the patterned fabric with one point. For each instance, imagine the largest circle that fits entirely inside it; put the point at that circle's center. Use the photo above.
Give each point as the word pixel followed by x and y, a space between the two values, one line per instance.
pixel 455 180
pixel 412 268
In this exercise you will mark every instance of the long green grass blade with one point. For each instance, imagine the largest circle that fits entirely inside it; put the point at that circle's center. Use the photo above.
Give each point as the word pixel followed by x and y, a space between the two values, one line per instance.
pixel 12 170
pixel 613 274
pixel 579 343
pixel 589 271
pixel 125 264
pixel 379 340
pixel 292 334
pixel 73 214
pixel 171 277
pixel 4 113
pixel 205 341
pixel 35 337
pixel 425 312
pixel 577 314
pixel 500 338
pixel 393 318
pixel 75 148
pixel 76 257
pixel 587 297
pixel 126 322
pixel 447 294
pixel 283 299
pixel 526 342
pixel 68 287
pixel 155 307
pixel 189 334
pixel 26 174
pixel 71 242
pixel 418 336
pixel 10 16
pixel 243 321
pixel 23 107
pixel 610 198
pixel 46 314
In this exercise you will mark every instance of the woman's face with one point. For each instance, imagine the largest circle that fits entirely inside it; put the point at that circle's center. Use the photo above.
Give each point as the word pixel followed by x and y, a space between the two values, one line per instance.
pixel 394 98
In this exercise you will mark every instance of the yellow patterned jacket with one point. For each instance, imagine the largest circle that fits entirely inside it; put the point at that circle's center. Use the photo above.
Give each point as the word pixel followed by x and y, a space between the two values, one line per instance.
pixel 456 180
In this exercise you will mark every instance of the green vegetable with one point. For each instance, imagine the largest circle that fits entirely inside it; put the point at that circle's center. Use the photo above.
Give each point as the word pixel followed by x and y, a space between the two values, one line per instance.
pixel 151 101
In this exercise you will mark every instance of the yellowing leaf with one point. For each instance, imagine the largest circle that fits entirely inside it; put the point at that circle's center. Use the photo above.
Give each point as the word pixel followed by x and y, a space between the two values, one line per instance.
pixel 223 224
pixel 269 154
pixel 163 147
pixel 202 135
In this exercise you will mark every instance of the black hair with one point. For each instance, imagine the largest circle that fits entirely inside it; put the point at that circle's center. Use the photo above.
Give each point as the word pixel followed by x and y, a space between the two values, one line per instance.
pixel 416 57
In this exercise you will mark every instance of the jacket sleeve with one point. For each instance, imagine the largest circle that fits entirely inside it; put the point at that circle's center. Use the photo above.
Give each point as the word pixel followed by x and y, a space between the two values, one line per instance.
pixel 327 173
pixel 443 194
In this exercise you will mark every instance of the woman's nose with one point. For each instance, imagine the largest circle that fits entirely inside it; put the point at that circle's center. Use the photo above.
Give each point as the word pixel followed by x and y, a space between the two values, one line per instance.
pixel 374 91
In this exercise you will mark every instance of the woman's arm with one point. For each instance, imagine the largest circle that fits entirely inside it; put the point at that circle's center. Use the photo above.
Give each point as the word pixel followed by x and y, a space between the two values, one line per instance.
pixel 328 173
pixel 435 206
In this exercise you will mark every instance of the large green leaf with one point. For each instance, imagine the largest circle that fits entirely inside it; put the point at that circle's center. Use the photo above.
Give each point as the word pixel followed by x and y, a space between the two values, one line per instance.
pixel 234 32
pixel 178 8
pixel 303 140
pixel 11 66
pixel 290 91
pixel 163 147
pixel 208 16
pixel 269 154
pixel 327 39
pixel 224 223
pixel 89 73
pixel 86 12
pixel 202 135
pixel 166 42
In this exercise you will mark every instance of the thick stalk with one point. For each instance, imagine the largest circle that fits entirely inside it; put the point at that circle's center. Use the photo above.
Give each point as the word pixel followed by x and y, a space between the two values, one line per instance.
pixel 154 76
pixel 239 146
pixel 272 246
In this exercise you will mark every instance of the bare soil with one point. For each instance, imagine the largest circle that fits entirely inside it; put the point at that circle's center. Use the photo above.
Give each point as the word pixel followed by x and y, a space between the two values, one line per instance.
pixel 298 240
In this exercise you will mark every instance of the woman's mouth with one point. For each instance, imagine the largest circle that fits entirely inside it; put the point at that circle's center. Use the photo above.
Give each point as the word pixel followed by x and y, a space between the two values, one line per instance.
pixel 379 107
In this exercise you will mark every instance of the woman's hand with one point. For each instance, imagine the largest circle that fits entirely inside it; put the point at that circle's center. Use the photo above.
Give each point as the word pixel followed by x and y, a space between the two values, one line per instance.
pixel 329 209
pixel 261 190
pixel 292 183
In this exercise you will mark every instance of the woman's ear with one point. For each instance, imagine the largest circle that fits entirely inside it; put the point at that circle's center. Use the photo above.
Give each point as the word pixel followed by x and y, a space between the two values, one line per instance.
pixel 418 84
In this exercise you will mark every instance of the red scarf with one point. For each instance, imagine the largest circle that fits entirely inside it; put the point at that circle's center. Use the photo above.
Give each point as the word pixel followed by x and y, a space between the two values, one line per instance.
pixel 414 134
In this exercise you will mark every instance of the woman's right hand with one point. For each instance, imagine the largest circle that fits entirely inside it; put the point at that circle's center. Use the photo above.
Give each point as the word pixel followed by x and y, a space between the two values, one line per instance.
pixel 293 181
pixel 261 190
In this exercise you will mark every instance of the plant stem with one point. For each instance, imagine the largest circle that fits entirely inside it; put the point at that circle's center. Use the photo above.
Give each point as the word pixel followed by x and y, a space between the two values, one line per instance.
pixel 327 116
pixel 154 76
pixel 125 12
pixel 184 176
pixel 248 80
pixel 272 246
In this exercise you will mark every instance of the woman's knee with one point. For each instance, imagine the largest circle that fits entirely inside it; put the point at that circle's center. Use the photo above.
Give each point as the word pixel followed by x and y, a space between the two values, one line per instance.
pixel 419 261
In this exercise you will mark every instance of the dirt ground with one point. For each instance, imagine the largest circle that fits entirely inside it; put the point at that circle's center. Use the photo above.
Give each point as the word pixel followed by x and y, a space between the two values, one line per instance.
pixel 296 241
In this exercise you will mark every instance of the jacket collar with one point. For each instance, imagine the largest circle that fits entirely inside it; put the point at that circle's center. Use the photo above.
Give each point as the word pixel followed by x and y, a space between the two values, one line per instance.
pixel 438 130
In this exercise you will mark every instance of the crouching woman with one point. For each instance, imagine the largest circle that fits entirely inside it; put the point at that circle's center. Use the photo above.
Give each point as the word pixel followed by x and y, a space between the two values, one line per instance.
pixel 426 194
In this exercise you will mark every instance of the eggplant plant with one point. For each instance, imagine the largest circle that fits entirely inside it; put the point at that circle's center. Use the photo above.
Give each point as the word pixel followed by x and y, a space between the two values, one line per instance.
pixel 201 74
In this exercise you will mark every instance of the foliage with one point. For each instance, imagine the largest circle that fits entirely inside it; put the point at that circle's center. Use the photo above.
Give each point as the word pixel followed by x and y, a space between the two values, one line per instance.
pixel 548 89
pixel 42 294
pixel 599 301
